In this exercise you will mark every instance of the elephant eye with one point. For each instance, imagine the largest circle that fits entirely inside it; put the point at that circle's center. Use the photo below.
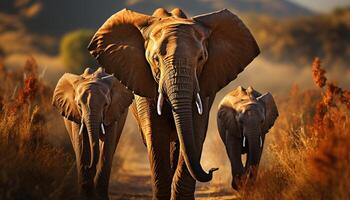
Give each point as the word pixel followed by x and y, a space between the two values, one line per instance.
pixel 200 58
pixel 156 59
pixel 157 74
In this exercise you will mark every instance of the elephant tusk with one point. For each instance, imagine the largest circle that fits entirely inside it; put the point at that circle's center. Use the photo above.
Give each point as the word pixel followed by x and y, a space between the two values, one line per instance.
pixel 160 103
pixel 103 129
pixel 199 104
pixel 261 142
pixel 81 127
pixel 108 76
pixel 243 141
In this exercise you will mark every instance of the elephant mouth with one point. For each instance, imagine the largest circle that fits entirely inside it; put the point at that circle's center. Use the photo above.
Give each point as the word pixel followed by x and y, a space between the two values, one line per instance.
pixel 162 96
pixel 102 128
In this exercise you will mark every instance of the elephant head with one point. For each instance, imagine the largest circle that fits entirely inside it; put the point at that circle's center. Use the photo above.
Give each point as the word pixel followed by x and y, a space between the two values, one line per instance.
pixel 246 116
pixel 182 60
pixel 93 100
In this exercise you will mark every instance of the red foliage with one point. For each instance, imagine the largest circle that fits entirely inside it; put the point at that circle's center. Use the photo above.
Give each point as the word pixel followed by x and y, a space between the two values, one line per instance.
pixel 318 73
pixel 332 97
pixel 28 92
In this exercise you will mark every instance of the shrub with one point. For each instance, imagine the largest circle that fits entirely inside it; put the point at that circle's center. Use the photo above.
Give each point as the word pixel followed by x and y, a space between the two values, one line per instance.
pixel 31 166
pixel 74 53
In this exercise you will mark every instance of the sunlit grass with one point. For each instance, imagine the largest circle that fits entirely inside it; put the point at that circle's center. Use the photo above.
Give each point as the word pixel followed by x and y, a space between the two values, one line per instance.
pixel 31 167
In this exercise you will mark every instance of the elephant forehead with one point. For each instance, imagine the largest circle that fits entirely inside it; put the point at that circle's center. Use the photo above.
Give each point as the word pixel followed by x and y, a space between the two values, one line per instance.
pixel 254 105
pixel 92 85
pixel 240 103
pixel 245 105
pixel 174 27
pixel 175 20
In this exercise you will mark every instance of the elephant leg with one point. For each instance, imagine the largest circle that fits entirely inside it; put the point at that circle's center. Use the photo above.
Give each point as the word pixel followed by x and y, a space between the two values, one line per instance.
pixel 85 179
pixel 107 150
pixel 104 169
pixel 174 156
pixel 234 151
pixel 155 130
pixel 183 184
pixel 158 147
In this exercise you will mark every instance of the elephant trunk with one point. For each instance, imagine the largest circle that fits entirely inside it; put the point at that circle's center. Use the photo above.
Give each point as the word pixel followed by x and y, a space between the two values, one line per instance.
pixel 179 88
pixel 93 128
pixel 254 149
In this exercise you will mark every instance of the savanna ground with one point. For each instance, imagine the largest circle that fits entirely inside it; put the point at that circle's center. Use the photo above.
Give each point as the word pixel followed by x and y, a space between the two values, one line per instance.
pixel 306 155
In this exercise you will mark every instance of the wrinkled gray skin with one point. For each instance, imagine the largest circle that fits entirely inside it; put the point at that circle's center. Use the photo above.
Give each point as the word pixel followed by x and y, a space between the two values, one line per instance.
pixel 243 119
pixel 94 106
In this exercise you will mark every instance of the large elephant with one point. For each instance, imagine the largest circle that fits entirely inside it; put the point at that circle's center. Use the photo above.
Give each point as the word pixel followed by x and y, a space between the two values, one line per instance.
pixel 184 62
pixel 94 106
pixel 243 119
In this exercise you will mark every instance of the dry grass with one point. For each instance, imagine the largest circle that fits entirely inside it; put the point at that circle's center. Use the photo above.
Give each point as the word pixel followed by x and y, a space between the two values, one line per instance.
pixel 308 157
pixel 31 167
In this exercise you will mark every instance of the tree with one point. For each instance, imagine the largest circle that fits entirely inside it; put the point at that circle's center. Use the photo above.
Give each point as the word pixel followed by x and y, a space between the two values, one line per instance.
pixel 74 53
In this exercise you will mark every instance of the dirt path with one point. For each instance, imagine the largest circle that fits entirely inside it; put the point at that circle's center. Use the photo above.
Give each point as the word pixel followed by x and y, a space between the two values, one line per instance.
pixel 135 183
pixel 138 187
pixel 134 180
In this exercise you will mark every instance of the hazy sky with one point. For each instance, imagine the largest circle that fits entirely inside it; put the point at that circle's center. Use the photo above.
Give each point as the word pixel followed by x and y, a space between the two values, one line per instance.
pixel 323 5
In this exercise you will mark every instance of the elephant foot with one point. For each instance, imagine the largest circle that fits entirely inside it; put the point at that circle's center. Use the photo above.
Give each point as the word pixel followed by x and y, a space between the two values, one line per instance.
pixel 87 190
pixel 102 190
pixel 88 195
pixel 237 182
pixel 178 196
pixel 183 191
pixel 160 197
pixel 102 196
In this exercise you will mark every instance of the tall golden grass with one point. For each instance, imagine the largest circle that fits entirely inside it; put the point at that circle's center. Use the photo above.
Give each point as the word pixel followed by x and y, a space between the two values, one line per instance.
pixel 309 155
pixel 31 167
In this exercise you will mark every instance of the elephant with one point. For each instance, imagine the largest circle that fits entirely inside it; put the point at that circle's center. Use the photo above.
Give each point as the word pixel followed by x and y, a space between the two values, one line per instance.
pixel 94 106
pixel 174 65
pixel 243 119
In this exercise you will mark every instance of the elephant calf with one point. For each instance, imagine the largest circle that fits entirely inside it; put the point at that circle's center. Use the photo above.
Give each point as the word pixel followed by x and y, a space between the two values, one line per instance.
pixel 94 106
pixel 243 119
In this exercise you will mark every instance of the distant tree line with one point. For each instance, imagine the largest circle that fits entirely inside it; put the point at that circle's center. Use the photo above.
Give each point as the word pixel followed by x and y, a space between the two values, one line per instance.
pixel 299 40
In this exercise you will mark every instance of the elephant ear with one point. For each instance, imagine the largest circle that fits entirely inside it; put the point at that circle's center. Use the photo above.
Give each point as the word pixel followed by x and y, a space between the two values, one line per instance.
pixel 226 121
pixel 231 47
pixel 228 114
pixel 271 111
pixel 118 46
pixel 121 98
pixel 64 95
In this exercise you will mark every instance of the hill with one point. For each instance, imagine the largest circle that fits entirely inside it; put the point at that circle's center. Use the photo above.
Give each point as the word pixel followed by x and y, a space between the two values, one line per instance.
pixel 58 17
pixel 285 32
